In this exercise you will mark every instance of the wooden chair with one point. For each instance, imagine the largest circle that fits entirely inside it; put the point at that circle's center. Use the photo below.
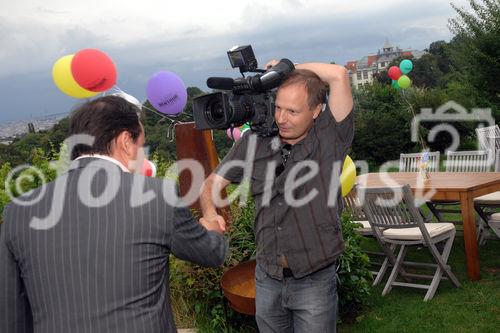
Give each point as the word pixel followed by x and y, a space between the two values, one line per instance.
pixel 486 205
pixel 410 162
pixel 497 161
pixel 397 222
pixel 353 204
pixel 494 223
pixel 467 161
pixel 489 137
pixel 460 161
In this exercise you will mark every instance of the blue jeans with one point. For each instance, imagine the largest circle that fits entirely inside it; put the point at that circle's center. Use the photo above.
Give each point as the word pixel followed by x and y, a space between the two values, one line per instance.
pixel 294 305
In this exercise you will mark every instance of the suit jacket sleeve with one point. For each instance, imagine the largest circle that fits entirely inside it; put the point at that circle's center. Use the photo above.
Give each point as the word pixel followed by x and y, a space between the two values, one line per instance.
pixel 192 242
pixel 15 311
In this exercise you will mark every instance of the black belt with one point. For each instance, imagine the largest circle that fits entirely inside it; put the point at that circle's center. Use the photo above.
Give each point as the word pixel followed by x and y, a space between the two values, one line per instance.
pixel 287 272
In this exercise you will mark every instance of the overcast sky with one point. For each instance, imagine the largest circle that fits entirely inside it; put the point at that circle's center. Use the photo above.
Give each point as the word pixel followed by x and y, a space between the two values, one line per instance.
pixel 191 38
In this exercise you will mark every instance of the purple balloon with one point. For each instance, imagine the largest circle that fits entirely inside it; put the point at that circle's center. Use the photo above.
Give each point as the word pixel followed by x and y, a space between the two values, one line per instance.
pixel 167 92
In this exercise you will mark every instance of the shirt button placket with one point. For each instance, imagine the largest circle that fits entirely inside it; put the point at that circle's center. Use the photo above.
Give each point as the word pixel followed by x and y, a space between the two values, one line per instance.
pixel 280 204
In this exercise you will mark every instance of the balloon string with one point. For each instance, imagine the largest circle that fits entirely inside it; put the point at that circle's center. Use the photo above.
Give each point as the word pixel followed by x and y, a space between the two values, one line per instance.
pixel 164 116
pixel 117 89
pixel 410 108
pixel 170 127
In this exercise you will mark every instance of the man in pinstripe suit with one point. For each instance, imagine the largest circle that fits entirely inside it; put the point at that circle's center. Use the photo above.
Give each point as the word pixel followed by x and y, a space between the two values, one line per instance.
pixel 89 252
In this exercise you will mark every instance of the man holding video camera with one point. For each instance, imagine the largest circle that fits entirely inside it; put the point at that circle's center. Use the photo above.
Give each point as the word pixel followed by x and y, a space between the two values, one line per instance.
pixel 295 183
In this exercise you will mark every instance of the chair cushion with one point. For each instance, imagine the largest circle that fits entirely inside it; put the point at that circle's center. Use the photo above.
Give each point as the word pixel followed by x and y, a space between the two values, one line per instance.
pixel 366 229
pixel 489 199
pixel 495 217
pixel 434 229
pixel 494 223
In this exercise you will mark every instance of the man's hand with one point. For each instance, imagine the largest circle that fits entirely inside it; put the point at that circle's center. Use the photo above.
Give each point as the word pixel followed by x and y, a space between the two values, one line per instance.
pixel 271 63
pixel 214 223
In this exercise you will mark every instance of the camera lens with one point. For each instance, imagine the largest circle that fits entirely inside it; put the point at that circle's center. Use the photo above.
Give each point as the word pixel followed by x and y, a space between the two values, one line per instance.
pixel 214 112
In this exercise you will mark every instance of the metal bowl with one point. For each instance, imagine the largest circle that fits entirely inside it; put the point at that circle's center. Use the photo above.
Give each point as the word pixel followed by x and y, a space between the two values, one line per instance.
pixel 238 284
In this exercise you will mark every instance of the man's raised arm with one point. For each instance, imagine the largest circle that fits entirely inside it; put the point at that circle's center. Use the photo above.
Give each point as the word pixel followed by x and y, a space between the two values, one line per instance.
pixel 337 77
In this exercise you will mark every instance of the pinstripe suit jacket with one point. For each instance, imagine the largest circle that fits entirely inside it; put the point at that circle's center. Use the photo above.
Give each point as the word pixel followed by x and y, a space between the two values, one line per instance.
pixel 96 260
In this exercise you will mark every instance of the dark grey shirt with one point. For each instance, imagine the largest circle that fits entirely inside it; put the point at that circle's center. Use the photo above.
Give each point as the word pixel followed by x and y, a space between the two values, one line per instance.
pixel 100 268
pixel 308 235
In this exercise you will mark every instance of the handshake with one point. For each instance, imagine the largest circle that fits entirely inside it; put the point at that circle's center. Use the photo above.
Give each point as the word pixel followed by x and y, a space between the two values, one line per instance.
pixel 214 223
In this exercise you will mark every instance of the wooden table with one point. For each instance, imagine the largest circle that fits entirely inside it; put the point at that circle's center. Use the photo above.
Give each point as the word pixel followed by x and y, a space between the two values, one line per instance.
pixel 446 186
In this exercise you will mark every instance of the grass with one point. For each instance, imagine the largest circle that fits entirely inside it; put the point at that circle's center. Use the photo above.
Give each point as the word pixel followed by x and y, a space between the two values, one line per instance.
pixel 474 307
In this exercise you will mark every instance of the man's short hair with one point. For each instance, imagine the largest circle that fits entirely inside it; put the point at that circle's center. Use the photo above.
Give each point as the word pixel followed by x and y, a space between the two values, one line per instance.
pixel 104 119
pixel 316 89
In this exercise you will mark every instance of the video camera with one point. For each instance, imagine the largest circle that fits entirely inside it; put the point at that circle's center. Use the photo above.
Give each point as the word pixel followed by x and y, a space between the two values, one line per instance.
pixel 251 99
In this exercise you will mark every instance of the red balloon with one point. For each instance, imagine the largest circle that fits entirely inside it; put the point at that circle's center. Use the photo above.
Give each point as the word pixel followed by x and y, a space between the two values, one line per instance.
pixel 148 169
pixel 93 70
pixel 394 72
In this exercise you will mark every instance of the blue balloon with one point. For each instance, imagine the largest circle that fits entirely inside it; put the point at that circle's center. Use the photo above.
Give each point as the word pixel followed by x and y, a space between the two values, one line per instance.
pixel 406 66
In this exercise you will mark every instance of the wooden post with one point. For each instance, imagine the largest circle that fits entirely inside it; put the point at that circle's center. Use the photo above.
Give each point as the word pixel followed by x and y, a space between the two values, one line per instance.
pixel 198 145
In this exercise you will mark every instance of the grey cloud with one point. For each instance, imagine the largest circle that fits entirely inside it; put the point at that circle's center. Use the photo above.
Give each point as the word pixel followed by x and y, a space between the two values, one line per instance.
pixel 195 55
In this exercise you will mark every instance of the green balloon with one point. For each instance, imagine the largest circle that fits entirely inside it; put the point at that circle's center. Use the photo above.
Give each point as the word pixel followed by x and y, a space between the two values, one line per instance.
pixel 404 82
pixel 395 84
pixel 406 66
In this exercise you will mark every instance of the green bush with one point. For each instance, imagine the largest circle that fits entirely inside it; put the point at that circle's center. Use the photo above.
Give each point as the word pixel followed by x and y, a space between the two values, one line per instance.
pixel 28 178
pixel 354 273
pixel 196 290
pixel 4 197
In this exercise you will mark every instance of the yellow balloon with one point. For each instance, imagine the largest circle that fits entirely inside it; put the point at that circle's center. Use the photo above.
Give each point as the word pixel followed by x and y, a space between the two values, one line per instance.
pixel 348 176
pixel 61 73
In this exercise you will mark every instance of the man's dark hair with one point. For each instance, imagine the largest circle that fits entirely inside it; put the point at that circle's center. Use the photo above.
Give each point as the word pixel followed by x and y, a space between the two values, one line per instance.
pixel 316 89
pixel 104 119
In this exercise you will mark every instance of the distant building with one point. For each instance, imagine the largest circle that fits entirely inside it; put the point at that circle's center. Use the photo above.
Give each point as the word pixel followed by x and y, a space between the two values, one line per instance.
pixel 361 71
pixel 17 129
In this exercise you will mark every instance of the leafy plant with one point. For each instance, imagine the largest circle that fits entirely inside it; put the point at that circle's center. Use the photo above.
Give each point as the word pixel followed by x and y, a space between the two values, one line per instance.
pixel 354 273
pixel 28 178
pixel 200 287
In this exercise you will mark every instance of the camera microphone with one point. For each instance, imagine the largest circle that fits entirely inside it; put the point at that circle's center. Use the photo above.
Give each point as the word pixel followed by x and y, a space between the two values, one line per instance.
pixel 222 83
pixel 227 83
